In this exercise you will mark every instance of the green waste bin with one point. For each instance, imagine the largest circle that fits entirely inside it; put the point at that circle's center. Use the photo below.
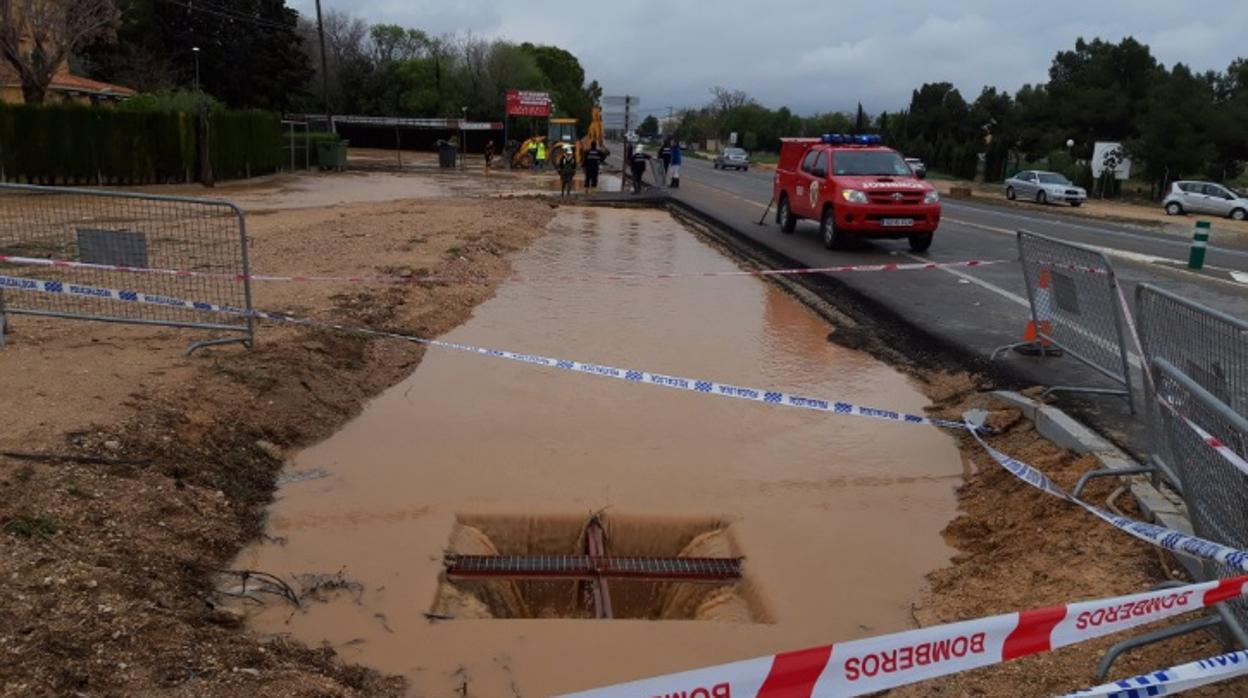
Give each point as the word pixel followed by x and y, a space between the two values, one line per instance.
pixel 332 155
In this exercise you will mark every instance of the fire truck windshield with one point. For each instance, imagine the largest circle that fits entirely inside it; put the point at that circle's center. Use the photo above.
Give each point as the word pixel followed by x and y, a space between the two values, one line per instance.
pixel 870 163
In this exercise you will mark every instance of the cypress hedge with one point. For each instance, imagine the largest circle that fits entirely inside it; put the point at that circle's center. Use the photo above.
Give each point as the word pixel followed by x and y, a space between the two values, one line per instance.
pixel 77 144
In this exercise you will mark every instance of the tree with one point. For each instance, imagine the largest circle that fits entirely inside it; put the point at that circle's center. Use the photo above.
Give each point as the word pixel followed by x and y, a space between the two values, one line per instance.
pixel 571 96
pixel 649 126
pixel 860 121
pixel 1099 88
pixel 1174 139
pixel 38 36
pixel 251 51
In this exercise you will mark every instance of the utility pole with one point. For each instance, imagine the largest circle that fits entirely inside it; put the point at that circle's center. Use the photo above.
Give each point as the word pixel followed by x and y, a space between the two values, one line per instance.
pixel 195 51
pixel 624 167
pixel 320 30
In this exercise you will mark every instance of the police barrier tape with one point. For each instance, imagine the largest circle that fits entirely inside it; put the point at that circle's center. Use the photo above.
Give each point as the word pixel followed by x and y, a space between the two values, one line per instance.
pixel 1174 541
pixel 771 397
pixel 1157 535
pixel 67 264
pixel 1173 680
pixel 888 661
pixel 921 659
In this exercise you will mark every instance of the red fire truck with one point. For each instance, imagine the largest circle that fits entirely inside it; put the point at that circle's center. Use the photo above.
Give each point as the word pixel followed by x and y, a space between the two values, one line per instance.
pixel 855 187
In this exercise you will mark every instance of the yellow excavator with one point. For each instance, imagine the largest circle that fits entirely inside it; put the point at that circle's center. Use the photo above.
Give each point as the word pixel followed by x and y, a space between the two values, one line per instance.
pixel 562 131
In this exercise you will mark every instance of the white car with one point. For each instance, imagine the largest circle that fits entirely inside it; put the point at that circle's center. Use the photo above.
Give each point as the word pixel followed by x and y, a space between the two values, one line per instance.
pixel 1205 197
pixel 1043 187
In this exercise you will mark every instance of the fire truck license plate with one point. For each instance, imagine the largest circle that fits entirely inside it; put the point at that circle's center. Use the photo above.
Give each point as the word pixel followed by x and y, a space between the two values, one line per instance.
pixel 897 222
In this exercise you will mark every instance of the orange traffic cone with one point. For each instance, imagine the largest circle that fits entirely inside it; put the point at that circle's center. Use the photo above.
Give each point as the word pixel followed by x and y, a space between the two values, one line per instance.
pixel 1036 340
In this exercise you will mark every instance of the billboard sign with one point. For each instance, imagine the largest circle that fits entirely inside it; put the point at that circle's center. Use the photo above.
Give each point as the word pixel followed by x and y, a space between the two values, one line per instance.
pixel 528 103
pixel 1110 158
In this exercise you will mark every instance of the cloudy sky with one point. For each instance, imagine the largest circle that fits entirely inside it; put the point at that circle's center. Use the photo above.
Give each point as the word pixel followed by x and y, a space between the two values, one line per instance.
pixel 820 55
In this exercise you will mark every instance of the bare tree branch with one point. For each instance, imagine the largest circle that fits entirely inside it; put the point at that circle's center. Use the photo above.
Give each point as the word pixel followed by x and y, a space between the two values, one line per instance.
pixel 38 36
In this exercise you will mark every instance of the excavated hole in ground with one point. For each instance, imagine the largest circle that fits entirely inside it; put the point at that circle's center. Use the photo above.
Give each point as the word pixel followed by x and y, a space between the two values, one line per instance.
pixel 626 536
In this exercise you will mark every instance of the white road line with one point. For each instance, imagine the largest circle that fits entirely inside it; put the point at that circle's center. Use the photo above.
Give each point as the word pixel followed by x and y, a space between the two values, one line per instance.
pixel 725 191
pixel 1008 295
pixel 1166 263
pixel 1019 300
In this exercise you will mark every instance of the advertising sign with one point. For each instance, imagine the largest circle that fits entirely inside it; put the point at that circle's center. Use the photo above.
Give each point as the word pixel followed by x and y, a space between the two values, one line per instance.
pixel 527 103
pixel 1112 158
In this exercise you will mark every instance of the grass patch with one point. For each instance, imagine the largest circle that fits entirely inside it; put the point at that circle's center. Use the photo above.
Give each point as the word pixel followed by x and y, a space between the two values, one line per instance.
pixel 75 491
pixel 31 527
pixel 24 473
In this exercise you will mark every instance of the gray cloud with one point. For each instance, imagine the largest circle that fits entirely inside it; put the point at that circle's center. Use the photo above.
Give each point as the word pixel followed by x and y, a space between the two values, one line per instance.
pixel 820 56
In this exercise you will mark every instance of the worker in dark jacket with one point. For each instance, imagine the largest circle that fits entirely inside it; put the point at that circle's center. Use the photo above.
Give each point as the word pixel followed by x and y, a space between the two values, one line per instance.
pixel 665 154
pixel 639 163
pixel 594 158
pixel 567 170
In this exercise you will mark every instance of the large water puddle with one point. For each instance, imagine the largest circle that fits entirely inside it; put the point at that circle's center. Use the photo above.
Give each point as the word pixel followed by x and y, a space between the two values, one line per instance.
pixel 838 518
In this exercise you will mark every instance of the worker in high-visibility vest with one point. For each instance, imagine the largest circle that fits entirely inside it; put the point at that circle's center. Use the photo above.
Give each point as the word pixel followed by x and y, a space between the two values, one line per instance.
pixel 541 155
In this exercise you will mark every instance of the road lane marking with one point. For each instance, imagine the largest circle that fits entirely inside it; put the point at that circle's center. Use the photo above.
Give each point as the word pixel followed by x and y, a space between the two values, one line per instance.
pixel 1165 263
pixel 729 193
pixel 1019 300
pixel 1006 294
pixel 1101 231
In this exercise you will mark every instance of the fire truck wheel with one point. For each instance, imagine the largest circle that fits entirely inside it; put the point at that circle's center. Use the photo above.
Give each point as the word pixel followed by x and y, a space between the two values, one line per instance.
pixel 920 242
pixel 833 237
pixel 784 216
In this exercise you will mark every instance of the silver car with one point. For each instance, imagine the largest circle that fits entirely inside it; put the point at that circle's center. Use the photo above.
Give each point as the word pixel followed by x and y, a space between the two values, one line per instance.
pixel 1043 187
pixel 1205 197
pixel 735 158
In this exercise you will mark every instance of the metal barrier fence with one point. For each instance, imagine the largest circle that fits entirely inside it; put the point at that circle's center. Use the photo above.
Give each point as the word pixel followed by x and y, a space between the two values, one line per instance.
pixel 133 230
pixel 1215 490
pixel 1074 306
pixel 1198 369
pixel 1209 346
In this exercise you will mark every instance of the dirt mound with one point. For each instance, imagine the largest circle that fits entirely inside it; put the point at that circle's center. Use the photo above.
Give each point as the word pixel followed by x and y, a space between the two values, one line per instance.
pixel 116 513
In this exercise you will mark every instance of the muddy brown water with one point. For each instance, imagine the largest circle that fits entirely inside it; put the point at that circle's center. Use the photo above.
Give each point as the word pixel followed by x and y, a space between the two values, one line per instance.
pixel 838 518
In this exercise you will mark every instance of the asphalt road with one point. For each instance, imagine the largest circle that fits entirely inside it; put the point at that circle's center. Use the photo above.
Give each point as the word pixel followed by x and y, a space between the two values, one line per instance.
pixel 979 309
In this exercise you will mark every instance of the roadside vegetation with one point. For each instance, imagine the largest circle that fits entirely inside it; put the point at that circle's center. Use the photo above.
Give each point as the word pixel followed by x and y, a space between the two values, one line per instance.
pixel 1174 123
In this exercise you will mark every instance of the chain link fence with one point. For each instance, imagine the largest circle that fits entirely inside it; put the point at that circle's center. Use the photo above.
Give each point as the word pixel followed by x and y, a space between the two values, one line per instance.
pixel 1074 305
pixel 1215 490
pixel 1209 346
pixel 114 229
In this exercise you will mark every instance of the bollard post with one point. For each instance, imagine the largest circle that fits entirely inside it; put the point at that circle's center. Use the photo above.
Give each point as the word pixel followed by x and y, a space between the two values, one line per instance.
pixel 1200 241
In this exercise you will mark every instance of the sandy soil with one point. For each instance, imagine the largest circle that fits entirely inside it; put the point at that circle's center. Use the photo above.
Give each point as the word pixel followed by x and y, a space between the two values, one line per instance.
pixel 1118 211
pixel 130 473
pixel 1022 549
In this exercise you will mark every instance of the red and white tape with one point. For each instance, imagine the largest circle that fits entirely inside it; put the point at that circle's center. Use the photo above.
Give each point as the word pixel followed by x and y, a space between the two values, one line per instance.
pixel 880 663
pixel 1213 442
pixel 399 280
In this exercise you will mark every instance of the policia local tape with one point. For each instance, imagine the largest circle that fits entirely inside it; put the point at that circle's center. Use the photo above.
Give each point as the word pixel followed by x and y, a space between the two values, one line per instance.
pixel 1157 535
pixel 399 280
pixel 771 397
pixel 1173 680
pixel 879 663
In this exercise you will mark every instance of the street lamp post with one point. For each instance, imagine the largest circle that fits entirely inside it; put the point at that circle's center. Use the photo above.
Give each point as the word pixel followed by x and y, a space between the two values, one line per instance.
pixel 195 52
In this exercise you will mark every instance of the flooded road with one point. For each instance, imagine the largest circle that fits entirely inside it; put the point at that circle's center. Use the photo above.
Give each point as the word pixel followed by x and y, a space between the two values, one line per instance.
pixel 838 518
